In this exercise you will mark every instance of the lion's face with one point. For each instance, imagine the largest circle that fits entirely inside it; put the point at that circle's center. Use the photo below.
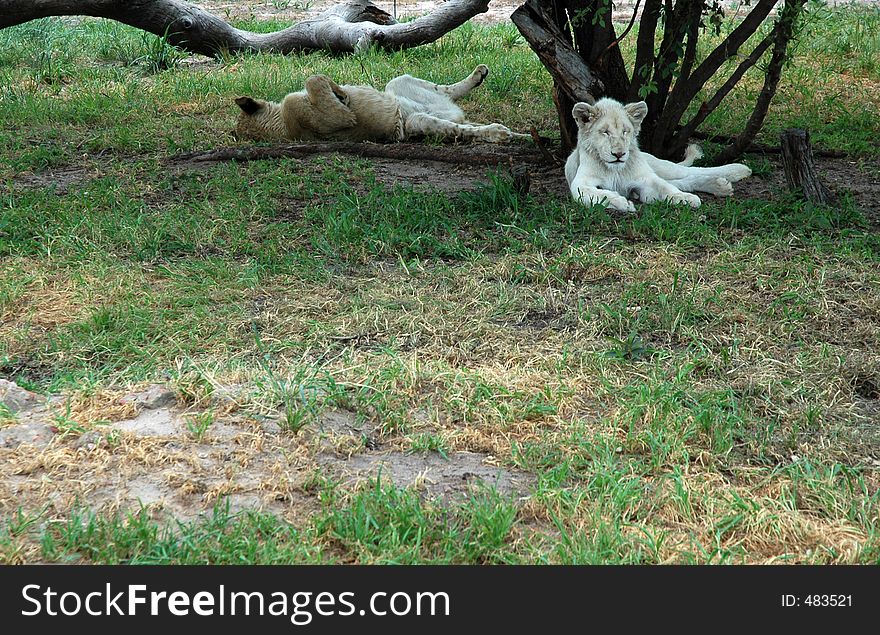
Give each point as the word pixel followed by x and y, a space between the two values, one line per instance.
pixel 608 129
pixel 258 120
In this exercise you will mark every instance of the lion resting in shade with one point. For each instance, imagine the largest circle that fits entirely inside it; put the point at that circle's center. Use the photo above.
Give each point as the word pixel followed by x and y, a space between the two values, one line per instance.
pixel 607 168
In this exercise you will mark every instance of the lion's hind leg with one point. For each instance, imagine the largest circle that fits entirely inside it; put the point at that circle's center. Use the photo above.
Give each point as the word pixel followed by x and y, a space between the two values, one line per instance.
pixel 717 185
pixel 673 171
pixel 422 124
pixel 415 88
pixel 409 86
pixel 459 89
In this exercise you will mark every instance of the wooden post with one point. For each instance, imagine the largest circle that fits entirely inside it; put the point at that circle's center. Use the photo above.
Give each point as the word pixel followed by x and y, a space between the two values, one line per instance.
pixel 800 173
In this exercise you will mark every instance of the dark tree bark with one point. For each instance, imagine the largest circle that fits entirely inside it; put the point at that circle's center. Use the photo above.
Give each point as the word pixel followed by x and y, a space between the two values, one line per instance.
pixel 573 79
pixel 596 41
pixel 347 27
pixel 800 172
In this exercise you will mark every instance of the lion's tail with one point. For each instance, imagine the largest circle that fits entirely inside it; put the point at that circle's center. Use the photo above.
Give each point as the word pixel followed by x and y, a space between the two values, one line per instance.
pixel 691 154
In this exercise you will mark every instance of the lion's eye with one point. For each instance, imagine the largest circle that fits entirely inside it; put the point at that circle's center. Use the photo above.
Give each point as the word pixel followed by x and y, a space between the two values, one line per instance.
pixel 606 133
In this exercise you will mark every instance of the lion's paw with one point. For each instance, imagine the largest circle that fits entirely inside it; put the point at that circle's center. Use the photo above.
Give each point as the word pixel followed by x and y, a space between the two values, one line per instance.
pixel 685 197
pixel 720 187
pixel 737 172
pixel 621 204
pixel 481 72
pixel 496 133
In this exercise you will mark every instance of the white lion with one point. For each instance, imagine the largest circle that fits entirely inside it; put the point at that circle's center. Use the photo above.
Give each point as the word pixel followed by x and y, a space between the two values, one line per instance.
pixel 607 166
pixel 408 107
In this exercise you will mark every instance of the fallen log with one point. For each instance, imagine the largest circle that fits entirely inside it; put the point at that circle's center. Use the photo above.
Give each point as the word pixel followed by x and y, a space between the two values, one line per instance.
pixel 348 27
pixel 506 155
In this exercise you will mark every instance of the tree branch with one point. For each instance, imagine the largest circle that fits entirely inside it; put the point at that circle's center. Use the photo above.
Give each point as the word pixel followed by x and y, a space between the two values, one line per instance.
pixel 783 32
pixel 346 27
pixel 685 92
pixel 694 16
pixel 680 139
pixel 644 47
pixel 626 31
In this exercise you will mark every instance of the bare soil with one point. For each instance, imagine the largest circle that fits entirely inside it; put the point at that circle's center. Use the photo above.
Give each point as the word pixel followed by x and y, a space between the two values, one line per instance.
pixel 153 456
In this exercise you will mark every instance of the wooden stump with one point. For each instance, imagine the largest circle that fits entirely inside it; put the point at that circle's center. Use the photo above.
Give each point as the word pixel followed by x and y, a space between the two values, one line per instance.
pixel 800 173
pixel 522 181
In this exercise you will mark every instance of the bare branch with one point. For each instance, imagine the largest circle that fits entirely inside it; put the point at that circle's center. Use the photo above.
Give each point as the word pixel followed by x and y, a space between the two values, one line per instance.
pixel 783 32
pixel 685 92
pixel 347 27
pixel 681 137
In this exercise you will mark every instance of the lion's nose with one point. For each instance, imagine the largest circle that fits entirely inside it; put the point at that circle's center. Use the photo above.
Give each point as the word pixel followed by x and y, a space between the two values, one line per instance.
pixel 619 155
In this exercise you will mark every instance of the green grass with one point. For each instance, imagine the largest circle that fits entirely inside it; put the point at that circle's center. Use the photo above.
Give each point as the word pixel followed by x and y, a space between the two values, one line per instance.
pixel 379 524
pixel 690 386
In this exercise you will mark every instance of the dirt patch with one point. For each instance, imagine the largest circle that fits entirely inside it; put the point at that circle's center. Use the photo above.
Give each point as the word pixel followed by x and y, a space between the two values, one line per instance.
pixel 445 477
pixel 61 179
pixel 159 460
pixel 845 175
pixel 427 175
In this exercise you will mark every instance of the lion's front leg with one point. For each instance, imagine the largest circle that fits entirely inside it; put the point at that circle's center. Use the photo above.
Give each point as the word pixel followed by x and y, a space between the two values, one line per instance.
pixel 653 188
pixel 587 191
pixel 586 188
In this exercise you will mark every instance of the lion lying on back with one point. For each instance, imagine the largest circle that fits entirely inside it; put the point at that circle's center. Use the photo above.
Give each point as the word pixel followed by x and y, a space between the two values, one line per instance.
pixel 608 168
pixel 408 107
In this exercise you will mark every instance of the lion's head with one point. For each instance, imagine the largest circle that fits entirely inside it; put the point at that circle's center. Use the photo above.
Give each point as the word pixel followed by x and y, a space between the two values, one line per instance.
pixel 608 129
pixel 259 120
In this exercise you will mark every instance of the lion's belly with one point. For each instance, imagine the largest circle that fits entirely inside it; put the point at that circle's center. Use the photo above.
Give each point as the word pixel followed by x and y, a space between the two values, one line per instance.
pixel 378 115
pixel 433 105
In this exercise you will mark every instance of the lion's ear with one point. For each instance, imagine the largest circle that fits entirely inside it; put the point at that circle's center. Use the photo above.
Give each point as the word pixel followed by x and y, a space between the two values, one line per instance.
pixel 248 105
pixel 584 113
pixel 637 112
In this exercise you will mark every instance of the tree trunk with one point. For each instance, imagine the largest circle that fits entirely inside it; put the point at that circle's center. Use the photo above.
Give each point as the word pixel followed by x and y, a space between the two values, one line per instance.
pixel 669 71
pixel 573 79
pixel 347 27
pixel 800 173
